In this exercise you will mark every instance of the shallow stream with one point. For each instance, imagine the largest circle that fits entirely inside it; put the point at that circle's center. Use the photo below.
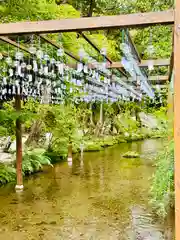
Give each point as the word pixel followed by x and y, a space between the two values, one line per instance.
pixel 98 196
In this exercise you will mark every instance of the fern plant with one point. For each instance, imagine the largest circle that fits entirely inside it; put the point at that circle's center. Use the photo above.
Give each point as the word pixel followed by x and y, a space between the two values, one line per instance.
pixel 7 174
pixel 33 161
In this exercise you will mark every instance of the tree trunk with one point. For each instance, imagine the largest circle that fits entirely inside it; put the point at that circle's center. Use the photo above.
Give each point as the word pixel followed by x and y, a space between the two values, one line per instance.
pixel 19 184
pixel 91 8
pixel 35 133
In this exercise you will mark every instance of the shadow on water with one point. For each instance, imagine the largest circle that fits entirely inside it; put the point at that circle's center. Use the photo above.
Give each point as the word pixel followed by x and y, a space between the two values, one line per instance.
pixel 97 196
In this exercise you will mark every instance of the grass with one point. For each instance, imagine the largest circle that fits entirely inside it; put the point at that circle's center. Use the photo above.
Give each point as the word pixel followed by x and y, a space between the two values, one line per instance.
pixel 162 190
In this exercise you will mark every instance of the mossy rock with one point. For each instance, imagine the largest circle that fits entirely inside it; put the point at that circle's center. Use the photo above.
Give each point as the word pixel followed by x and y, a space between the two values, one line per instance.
pixel 121 140
pixel 107 143
pixel 55 157
pixel 137 137
pixel 131 155
pixel 93 147
pixel 157 136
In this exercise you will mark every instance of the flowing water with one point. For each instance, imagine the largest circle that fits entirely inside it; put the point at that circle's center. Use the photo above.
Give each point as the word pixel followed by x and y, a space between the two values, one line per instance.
pixel 98 196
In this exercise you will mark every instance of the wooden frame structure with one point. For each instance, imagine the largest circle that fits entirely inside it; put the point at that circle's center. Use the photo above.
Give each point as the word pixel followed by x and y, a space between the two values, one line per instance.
pixel 138 20
pixel 89 24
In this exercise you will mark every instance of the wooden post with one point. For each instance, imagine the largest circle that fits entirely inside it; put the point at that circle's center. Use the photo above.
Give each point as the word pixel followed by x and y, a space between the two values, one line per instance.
pixel 177 117
pixel 91 116
pixel 70 151
pixel 19 185
pixel 101 113
pixel 170 113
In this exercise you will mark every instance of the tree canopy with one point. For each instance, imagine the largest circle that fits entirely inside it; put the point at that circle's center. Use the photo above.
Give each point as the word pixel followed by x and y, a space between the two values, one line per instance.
pixel 19 10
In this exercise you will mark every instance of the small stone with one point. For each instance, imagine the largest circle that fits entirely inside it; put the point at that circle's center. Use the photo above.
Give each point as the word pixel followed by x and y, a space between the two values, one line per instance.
pixel 40 223
pixel 53 222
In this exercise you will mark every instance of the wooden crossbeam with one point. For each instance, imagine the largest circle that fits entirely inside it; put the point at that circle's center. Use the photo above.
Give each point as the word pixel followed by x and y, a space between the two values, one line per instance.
pixel 82 24
pixel 94 46
pixel 143 63
pixel 133 46
pixel 160 86
pixel 157 62
pixel 13 43
pixel 9 41
pixel 99 51
pixel 56 45
pixel 158 78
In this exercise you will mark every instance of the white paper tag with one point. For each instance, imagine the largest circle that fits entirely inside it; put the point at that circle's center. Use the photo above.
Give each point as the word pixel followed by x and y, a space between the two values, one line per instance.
pixel 79 67
pixel 85 68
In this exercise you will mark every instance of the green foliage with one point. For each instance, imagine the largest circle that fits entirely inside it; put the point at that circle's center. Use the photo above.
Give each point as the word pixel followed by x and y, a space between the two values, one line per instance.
pixel 163 181
pixel 92 146
pixel 14 11
pixel 62 122
pixel 128 124
pixel 7 174
pixel 162 35
pixel 8 116
pixel 33 161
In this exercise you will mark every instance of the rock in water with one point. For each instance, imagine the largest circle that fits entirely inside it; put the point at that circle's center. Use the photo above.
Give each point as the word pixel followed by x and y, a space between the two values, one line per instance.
pixel 131 155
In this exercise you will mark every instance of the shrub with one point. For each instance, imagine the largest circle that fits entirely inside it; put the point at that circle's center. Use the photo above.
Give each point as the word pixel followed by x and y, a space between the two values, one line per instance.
pixel 33 161
pixel 7 174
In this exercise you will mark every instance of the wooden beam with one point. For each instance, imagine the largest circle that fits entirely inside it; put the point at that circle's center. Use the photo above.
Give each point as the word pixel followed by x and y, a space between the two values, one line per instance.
pixel 143 63
pixel 94 46
pixel 161 86
pixel 150 78
pixel 56 45
pixel 13 43
pixel 158 78
pixel 177 117
pixel 99 51
pixel 9 41
pixel 156 62
pixel 82 24
pixel 133 46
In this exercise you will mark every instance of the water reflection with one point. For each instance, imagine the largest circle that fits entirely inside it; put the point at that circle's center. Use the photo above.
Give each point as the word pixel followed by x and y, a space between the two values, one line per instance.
pixel 95 196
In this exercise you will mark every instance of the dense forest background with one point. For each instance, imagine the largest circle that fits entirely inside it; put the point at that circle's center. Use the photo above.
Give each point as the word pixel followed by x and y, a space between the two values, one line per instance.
pixel 20 10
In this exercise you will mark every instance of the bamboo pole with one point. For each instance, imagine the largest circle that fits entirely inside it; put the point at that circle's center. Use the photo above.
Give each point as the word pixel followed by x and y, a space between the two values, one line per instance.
pixel 19 184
